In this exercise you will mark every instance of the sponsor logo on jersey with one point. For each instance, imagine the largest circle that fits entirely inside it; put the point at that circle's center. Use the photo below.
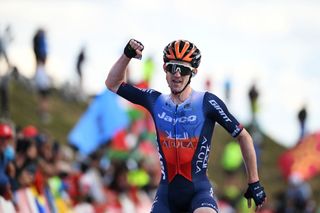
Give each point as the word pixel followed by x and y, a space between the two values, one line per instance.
pixel 236 131
pixel 146 90
pixel 154 203
pixel 207 204
pixel 163 174
pixel 220 110
pixel 212 205
pixel 169 140
pixel 203 156
pixel 172 143
pixel 183 119
pixel 182 136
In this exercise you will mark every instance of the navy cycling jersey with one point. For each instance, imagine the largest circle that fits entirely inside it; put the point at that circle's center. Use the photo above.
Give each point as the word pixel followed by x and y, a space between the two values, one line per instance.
pixel 184 131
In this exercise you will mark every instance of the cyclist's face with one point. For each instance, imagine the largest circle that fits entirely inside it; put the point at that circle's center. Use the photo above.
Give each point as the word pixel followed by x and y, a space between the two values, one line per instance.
pixel 179 77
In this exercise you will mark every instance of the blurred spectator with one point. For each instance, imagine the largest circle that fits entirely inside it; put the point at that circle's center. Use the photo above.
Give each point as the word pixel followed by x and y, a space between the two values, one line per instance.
pixel 253 97
pixel 148 70
pixel 208 84
pixel 299 195
pixel 12 74
pixel 4 93
pixel 302 117
pixel 6 166
pixel 231 157
pixel 125 196
pixel 30 131
pixel 5 39
pixel 91 181
pixel 79 65
pixel 227 89
pixel 257 138
pixel 42 80
pixel 25 162
pixel 43 87
pixel 84 207
pixel 231 162
pixel 40 47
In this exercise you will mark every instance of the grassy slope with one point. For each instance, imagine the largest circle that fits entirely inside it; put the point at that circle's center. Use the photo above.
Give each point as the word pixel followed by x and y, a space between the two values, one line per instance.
pixel 66 114
pixel 269 172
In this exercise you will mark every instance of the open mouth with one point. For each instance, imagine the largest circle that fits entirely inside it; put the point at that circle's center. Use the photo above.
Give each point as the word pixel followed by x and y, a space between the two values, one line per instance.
pixel 176 81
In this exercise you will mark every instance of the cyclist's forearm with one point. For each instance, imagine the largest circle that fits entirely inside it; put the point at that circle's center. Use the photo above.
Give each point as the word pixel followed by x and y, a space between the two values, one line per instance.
pixel 117 73
pixel 249 155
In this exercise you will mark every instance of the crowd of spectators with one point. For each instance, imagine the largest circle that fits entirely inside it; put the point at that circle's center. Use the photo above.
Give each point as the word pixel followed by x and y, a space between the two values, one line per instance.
pixel 60 179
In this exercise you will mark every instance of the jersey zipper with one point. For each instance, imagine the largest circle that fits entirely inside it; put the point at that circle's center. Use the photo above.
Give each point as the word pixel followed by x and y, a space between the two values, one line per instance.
pixel 175 140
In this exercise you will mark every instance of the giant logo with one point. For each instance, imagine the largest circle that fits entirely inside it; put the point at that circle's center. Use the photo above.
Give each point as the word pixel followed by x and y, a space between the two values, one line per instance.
pixel 220 110
pixel 183 119
pixel 146 90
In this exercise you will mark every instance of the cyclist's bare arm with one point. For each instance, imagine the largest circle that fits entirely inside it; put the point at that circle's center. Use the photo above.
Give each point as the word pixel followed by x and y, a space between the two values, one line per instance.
pixel 249 155
pixel 117 73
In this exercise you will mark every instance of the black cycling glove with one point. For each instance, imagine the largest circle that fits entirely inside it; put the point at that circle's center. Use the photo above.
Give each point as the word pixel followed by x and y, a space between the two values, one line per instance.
pixel 129 51
pixel 256 192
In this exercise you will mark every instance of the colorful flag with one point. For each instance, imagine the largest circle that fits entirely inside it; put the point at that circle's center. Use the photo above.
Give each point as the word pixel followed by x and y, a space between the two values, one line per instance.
pixel 303 159
pixel 103 118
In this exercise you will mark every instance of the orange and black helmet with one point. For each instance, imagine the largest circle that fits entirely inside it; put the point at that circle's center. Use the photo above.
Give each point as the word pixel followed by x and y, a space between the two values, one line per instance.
pixel 182 50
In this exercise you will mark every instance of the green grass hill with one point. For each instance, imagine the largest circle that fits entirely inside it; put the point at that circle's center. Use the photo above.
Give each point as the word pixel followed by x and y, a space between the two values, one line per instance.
pixel 65 114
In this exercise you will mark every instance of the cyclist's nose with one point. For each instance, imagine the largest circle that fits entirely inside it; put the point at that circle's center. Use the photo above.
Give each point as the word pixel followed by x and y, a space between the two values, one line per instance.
pixel 177 73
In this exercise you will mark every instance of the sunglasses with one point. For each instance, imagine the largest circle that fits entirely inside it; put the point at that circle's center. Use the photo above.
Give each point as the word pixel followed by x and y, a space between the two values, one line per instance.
pixel 174 67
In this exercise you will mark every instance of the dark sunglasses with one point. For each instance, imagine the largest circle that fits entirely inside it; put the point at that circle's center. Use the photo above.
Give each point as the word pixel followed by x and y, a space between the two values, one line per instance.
pixel 174 67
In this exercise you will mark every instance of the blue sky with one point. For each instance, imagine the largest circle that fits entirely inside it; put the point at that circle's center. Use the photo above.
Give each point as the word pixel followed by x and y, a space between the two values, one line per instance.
pixel 275 43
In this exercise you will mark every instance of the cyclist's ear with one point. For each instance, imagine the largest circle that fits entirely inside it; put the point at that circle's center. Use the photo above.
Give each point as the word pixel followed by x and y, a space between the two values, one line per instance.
pixel 194 72
pixel 164 67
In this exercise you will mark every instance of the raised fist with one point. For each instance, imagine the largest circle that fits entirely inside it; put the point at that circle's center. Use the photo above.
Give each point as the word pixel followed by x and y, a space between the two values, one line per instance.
pixel 133 49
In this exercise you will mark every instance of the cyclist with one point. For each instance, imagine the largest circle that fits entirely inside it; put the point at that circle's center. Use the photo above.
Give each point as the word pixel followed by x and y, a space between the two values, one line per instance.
pixel 184 122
